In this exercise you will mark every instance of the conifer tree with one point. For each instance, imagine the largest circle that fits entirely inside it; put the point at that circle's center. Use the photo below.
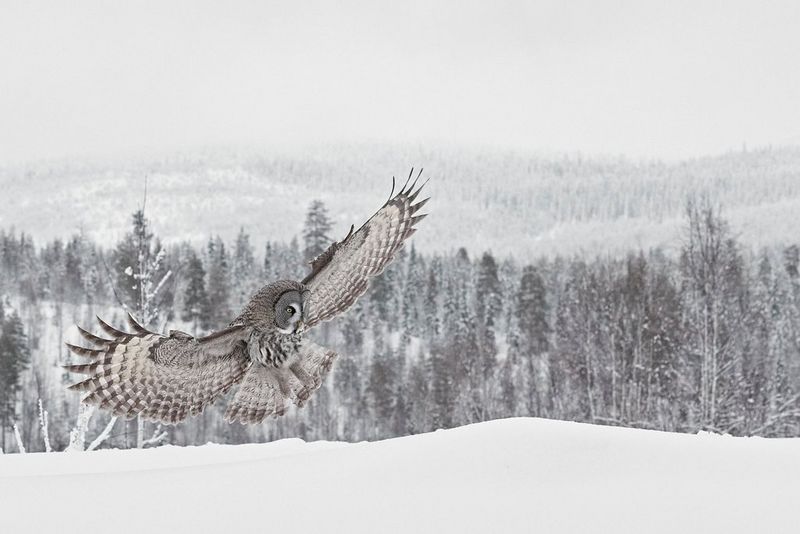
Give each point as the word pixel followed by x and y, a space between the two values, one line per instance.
pixel 414 280
pixel 141 271
pixel 268 267
pixel 380 391
pixel 195 299
pixel 218 308
pixel 433 324
pixel 532 310
pixel 420 409
pixel 135 248
pixel 488 296
pixel 316 232
pixel 243 271
pixel 14 359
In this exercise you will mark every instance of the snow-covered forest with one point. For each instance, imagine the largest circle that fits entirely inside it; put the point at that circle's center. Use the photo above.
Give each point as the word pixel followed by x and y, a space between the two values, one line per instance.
pixel 705 338
pixel 511 202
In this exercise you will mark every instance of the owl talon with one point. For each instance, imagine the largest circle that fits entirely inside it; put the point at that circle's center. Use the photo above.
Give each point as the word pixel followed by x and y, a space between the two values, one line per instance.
pixel 302 396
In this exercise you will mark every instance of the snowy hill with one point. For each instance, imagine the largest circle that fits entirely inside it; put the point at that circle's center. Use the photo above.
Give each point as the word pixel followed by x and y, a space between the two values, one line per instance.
pixel 513 475
pixel 506 201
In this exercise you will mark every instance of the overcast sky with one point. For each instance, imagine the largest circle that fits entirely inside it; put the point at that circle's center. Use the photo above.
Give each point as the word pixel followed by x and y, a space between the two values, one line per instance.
pixel 667 79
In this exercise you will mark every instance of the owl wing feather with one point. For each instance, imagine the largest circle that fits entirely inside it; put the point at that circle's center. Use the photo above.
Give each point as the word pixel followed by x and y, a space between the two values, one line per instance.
pixel 161 378
pixel 341 274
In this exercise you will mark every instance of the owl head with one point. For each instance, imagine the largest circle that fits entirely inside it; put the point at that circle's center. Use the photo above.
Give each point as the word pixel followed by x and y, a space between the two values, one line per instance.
pixel 278 306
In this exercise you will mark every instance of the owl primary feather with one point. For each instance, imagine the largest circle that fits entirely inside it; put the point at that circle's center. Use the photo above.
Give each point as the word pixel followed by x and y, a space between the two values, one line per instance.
pixel 264 351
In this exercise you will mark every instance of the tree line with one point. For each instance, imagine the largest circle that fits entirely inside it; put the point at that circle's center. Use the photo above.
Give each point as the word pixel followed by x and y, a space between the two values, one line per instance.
pixel 705 339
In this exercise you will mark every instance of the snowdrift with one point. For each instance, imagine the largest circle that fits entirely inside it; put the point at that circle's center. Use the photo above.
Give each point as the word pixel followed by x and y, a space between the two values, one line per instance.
pixel 512 475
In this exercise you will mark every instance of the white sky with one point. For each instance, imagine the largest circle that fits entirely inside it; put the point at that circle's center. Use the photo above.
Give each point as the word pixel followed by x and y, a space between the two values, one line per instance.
pixel 669 79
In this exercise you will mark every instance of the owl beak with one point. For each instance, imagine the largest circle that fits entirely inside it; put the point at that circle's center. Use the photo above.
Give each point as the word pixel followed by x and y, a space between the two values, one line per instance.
pixel 299 327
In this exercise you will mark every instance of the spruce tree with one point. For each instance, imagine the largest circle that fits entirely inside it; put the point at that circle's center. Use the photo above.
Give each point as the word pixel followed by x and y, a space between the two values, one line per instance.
pixel 243 271
pixel 532 311
pixel 195 299
pixel 218 308
pixel 141 271
pixel 129 254
pixel 14 359
pixel 433 323
pixel 489 308
pixel 268 273
pixel 316 233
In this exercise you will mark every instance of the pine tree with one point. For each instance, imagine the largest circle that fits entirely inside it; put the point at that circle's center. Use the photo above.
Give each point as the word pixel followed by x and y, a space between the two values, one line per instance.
pixel 142 272
pixel 14 359
pixel 73 269
pixel 218 309
pixel 791 257
pixel 195 299
pixel 380 295
pixel 269 263
pixel 54 272
pixel 380 392
pixel 663 339
pixel 28 273
pixel 443 390
pixel 243 272
pixel 532 311
pixel 316 233
pixel 91 280
pixel 411 297
pixel 347 382
pixel 488 297
pixel 431 301
pixel 134 248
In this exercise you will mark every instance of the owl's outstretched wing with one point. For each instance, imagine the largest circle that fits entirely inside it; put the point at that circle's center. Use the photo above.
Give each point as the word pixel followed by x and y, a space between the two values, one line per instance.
pixel 161 378
pixel 341 274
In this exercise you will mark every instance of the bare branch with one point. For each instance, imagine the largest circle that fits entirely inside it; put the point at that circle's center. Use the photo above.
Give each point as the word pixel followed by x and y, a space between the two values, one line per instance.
pixel 103 435
pixel 43 425
pixel 20 446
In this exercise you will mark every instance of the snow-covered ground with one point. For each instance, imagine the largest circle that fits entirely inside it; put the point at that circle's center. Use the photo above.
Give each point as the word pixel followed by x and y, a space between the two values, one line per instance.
pixel 512 475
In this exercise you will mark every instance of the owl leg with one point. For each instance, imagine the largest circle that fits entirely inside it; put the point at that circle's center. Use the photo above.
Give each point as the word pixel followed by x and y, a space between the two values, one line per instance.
pixel 292 386
pixel 302 375
pixel 307 381
pixel 283 383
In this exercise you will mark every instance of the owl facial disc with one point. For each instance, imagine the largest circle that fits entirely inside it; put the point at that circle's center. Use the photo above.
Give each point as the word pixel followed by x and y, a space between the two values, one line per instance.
pixel 289 312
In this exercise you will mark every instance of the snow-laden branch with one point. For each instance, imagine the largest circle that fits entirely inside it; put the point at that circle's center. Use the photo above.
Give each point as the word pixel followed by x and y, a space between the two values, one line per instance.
pixel 43 426
pixel 160 285
pixel 77 436
pixel 103 435
pixel 157 437
pixel 20 446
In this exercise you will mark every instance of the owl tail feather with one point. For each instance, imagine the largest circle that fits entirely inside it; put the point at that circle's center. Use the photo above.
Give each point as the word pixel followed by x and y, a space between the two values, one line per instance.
pixel 266 390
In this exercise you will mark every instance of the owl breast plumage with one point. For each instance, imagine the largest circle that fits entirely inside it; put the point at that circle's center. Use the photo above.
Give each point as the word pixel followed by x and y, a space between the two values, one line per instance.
pixel 166 378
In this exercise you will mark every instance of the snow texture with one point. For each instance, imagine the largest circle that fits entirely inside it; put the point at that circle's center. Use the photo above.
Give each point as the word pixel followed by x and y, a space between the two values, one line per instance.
pixel 512 475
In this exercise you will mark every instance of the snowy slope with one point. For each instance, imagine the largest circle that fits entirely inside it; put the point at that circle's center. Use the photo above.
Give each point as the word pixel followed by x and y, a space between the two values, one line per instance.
pixel 507 201
pixel 513 475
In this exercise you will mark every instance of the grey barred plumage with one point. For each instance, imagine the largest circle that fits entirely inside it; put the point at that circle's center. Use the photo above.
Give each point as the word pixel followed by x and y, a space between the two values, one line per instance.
pixel 169 377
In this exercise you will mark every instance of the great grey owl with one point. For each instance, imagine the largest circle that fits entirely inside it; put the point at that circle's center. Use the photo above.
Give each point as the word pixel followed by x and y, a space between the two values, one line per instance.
pixel 167 378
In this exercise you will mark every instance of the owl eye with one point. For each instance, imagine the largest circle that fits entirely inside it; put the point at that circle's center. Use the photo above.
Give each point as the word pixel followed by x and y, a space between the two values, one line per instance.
pixel 290 310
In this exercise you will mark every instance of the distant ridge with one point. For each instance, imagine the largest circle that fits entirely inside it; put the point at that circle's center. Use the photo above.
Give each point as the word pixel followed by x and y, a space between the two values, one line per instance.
pixel 507 201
